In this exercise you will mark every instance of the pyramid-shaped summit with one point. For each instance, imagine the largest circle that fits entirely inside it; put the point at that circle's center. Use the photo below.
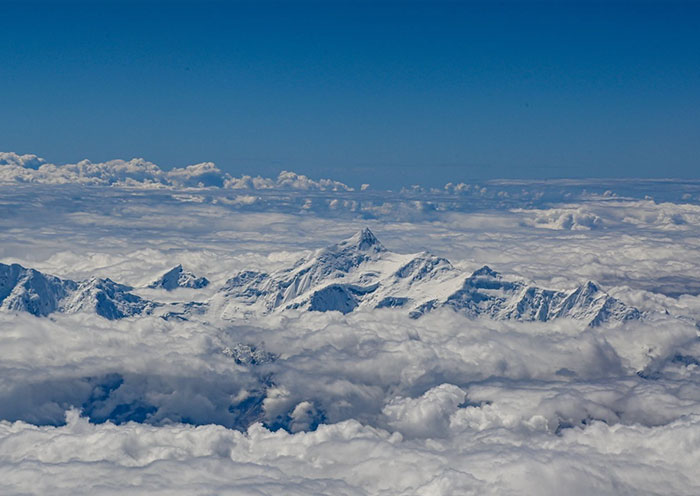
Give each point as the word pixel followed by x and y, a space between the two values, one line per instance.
pixel 363 240
pixel 337 272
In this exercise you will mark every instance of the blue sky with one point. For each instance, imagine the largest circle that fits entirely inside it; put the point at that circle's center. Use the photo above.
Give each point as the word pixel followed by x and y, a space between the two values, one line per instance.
pixel 389 93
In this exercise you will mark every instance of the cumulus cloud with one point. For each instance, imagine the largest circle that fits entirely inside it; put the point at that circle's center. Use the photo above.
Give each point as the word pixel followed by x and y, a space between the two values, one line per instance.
pixel 140 173
pixel 428 415
pixel 286 180
pixel 613 214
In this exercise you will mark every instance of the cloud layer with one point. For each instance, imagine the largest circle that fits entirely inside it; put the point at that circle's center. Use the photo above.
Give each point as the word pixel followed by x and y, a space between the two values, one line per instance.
pixel 365 403
pixel 349 459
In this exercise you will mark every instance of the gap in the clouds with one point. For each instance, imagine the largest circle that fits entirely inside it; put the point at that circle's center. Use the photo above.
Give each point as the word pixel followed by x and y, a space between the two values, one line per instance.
pixel 120 398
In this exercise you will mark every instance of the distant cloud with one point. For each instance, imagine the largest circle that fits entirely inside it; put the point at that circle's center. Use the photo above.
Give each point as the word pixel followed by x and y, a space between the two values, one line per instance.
pixel 139 173
pixel 286 180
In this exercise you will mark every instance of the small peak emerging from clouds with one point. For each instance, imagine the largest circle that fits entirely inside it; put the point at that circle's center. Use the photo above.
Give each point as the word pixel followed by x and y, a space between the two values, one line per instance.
pixel 177 277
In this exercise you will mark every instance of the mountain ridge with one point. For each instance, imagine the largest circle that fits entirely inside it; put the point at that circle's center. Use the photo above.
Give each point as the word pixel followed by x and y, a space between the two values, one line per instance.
pixel 28 290
pixel 360 272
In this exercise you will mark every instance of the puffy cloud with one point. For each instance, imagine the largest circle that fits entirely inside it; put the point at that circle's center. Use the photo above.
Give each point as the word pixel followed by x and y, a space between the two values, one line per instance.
pixel 201 175
pixel 347 458
pixel 613 214
pixel 427 415
pixel 139 173
pixel 26 161
pixel 286 180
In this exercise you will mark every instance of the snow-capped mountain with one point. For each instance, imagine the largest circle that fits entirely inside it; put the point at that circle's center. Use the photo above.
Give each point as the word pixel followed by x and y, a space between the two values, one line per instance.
pixel 306 282
pixel 29 290
pixel 108 298
pixel 360 272
pixel 177 277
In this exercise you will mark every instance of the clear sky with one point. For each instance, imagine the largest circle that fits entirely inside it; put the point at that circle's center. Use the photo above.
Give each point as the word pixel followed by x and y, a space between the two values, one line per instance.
pixel 390 93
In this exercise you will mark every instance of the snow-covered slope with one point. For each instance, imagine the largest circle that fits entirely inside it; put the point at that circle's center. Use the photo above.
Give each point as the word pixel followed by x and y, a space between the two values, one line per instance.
pixel 297 286
pixel 360 272
pixel 487 293
pixel 29 290
pixel 177 277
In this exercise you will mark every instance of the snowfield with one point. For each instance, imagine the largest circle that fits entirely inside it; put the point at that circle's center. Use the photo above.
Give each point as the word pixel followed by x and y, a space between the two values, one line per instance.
pixel 189 332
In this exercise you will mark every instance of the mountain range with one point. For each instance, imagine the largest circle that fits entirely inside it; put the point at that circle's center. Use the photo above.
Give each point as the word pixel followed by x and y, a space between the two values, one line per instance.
pixel 360 272
pixel 356 273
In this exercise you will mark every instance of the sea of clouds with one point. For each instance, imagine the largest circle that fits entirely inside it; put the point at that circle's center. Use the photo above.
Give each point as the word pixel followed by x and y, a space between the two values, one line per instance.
pixel 369 403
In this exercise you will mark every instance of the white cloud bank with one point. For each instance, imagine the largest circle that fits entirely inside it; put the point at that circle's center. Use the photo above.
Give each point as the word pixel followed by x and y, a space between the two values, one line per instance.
pixel 443 405
pixel 139 173
pixel 347 459
pixel 370 403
